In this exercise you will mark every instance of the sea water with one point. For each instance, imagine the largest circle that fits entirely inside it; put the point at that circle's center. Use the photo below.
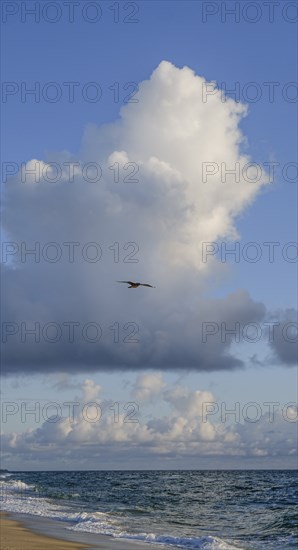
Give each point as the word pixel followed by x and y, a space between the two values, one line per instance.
pixel 208 510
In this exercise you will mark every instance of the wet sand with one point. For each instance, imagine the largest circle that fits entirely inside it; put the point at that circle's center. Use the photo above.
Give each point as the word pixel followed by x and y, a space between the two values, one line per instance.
pixel 14 536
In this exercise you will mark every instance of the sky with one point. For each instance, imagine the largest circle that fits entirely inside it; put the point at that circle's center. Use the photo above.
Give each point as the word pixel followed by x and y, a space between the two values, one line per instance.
pixel 145 141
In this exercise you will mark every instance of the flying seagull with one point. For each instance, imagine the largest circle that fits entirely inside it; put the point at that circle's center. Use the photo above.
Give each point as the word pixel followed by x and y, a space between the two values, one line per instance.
pixel 135 285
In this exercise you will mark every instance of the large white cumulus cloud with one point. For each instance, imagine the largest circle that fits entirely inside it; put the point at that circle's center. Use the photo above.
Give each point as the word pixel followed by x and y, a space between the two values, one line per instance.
pixel 168 134
pixel 172 133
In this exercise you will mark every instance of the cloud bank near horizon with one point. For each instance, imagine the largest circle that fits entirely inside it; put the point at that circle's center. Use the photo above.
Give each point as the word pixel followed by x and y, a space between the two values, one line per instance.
pixel 194 427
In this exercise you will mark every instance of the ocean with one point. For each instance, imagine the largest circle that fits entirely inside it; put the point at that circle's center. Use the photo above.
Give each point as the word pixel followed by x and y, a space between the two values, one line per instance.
pixel 208 510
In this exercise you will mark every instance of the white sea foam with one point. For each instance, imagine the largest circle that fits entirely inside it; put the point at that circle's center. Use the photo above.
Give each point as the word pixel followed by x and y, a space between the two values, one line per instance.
pixel 204 543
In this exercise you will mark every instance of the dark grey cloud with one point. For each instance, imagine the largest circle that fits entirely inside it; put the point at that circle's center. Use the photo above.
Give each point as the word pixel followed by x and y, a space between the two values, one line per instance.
pixel 284 342
pixel 170 335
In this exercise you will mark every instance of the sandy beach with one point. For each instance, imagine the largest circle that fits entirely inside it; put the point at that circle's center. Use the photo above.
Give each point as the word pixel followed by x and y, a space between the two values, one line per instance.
pixel 14 536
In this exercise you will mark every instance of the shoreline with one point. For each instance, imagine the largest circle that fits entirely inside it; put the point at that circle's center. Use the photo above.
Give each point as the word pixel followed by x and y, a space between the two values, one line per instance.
pixel 28 532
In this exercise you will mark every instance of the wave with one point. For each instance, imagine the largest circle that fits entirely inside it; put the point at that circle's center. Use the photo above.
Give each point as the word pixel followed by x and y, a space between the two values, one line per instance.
pixel 101 523
pixel 14 485
pixel 204 542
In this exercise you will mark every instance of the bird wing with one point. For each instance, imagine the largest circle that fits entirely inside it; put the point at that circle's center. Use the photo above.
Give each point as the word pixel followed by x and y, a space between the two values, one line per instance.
pixel 145 284
pixel 128 282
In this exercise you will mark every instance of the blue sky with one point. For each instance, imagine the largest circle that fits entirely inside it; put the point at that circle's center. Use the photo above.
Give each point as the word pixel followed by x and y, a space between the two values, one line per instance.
pixel 106 52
